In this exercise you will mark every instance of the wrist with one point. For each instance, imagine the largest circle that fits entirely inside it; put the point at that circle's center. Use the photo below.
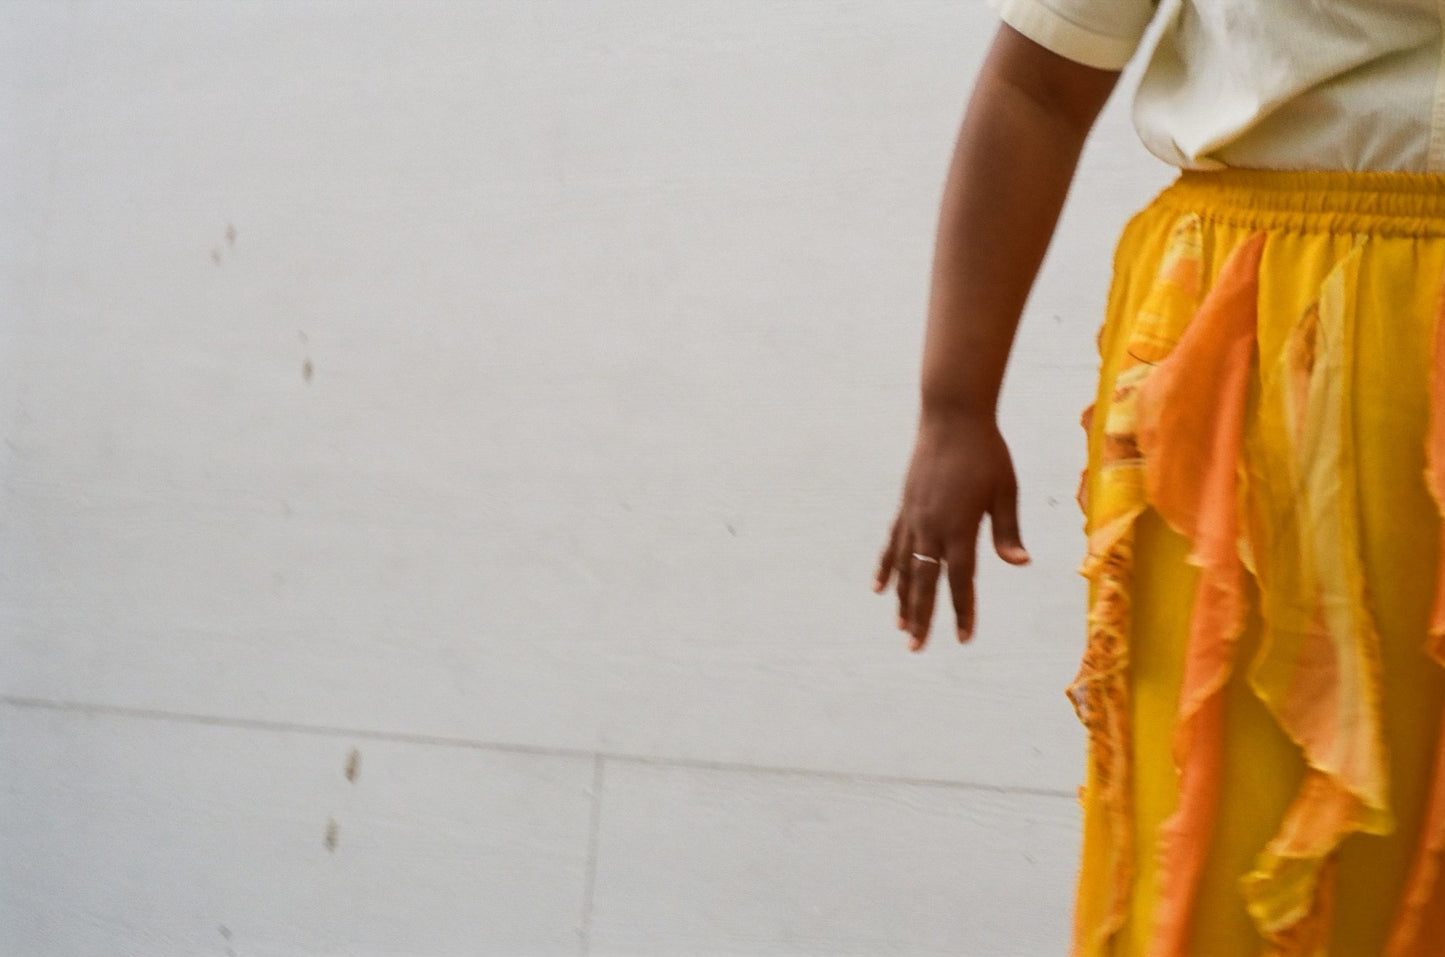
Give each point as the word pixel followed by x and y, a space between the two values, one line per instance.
pixel 954 411
pixel 943 422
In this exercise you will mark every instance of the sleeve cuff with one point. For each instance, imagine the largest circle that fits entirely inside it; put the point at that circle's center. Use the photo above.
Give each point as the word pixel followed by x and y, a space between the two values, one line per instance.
pixel 1062 36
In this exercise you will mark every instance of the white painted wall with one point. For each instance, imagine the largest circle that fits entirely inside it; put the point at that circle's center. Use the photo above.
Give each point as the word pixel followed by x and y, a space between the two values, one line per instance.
pixel 445 450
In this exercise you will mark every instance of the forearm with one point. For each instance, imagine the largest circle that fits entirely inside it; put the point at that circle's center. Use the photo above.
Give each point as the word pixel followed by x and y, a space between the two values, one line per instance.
pixel 1012 166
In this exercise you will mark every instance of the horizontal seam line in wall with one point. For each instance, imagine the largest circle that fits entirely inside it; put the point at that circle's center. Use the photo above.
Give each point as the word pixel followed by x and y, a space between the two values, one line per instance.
pixel 443 741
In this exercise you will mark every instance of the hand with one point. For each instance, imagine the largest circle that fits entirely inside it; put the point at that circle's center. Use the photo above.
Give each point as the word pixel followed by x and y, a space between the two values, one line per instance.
pixel 961 469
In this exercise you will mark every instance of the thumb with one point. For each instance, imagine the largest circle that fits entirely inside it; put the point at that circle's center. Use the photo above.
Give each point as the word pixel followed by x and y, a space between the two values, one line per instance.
pixel 1003 518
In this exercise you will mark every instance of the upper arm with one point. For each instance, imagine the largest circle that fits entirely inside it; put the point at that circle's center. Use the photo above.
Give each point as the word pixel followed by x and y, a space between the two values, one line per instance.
pixel 1066 54
pixel 1063 87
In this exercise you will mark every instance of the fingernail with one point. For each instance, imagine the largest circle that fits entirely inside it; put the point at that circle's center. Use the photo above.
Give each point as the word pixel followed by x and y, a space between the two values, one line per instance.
pixel 915 644
pixel 964 634
pixel 902 624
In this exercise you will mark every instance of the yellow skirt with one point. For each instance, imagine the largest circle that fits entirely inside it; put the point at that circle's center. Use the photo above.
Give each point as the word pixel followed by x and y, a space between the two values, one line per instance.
pixel 1263 684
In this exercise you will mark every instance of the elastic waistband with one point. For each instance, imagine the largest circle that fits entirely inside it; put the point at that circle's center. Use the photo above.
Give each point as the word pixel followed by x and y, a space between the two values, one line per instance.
pixel 1314 201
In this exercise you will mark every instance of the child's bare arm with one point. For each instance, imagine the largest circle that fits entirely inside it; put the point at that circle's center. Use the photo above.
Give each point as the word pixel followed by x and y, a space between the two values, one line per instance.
pixel 1013 163
pixel 1015 158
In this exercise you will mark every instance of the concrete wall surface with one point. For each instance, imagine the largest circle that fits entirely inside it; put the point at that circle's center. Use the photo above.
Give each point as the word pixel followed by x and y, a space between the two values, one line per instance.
pixel 446 445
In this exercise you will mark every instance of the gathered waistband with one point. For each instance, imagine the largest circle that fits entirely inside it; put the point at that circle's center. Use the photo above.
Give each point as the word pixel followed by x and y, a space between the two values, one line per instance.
pixel 1376 203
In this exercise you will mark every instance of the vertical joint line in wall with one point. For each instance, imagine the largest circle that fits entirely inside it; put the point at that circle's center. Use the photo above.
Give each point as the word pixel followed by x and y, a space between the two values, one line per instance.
pixel 1435 155
pixel 589 879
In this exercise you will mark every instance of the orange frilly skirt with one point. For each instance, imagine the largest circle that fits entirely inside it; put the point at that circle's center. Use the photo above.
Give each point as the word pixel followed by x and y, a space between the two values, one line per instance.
pixel 1264 679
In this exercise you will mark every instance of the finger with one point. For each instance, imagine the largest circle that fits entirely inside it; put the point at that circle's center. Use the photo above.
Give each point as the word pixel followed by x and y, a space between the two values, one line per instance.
pixel 885 560
pixel 961 561
pixel 903 572
pixel 926 569
pixel 1003 518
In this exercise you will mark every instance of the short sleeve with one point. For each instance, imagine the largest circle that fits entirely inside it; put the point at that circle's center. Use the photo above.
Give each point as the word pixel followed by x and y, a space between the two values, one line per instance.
pixel 1096 33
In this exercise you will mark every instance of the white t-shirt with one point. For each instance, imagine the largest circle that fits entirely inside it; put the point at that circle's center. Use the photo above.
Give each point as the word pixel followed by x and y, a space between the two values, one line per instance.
pixel 1267 84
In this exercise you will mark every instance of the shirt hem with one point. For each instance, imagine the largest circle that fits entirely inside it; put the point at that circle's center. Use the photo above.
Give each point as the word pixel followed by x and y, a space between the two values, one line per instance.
pixel 1062 36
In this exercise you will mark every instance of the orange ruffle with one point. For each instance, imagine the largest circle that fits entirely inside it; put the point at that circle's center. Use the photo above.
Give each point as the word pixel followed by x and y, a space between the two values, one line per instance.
pixel 1191 415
